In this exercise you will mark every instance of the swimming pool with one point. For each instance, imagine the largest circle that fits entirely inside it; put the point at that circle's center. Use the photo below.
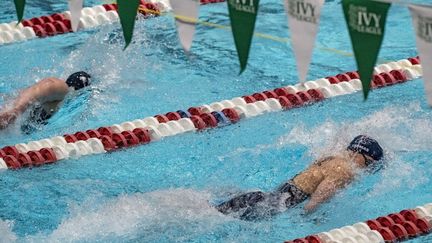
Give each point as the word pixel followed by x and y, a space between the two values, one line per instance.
pixel 159 192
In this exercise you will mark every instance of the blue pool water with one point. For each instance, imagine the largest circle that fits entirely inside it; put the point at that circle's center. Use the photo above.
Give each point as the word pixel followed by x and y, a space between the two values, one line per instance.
pixel 160 192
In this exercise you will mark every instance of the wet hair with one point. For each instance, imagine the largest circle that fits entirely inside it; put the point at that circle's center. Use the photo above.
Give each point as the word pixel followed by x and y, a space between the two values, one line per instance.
pixel 365 145
pixel 78 80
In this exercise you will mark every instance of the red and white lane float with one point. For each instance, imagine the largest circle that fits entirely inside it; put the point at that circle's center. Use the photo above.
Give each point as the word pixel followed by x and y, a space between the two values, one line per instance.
pixel 217 114
pixel 59 23
pixel 394 227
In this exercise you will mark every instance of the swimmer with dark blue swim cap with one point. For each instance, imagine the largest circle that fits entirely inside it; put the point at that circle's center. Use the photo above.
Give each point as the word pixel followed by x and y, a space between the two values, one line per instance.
pixel 78 80
pixel 42 99
pixel 368 148
pixel 318 183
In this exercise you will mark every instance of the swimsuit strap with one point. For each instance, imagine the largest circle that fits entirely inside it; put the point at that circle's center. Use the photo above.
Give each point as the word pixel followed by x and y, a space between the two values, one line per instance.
pixel 289 187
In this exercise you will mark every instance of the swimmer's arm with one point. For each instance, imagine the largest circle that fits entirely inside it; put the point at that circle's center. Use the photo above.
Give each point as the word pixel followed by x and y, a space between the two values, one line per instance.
pixel 46 90
pixel 325 190
pixel 12 111
pixel 24 99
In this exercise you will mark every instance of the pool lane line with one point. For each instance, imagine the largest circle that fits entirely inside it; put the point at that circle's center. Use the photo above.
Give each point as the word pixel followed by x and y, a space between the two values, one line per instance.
pixel 404 225
pixel 142 131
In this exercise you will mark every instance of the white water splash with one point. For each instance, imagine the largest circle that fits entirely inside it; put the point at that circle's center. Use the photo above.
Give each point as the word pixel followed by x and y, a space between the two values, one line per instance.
pixel 398 174
pixel 152 214
pixel 6 234
pixel 398 129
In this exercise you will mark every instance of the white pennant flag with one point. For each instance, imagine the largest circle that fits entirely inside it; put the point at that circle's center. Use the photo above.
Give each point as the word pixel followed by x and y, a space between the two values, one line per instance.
pixel 303 21
pixel 422 22
pixel 186 14
pixel 75 7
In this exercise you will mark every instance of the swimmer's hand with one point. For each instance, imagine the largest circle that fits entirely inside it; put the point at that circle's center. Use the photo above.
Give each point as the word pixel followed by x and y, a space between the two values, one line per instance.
pixel 7 117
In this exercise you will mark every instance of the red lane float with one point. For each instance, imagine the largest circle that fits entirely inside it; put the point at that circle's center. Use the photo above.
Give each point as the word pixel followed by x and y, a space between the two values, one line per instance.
pixel 209 120
pixel 286 99
pixel 231 114
pixel 271 94
pixel 58 23
pixel 414 60
pixel 198 122
pixel 393 227
pixel 142 134
pixel 249 99
pixel 31 158
pixel 378 80
pixel 173 116
pixel 162 118
pixel 195 111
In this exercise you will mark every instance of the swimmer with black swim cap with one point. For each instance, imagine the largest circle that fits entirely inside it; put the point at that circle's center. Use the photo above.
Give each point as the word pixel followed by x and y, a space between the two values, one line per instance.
pixel 78 80
pixel 318 183
pixel 42 99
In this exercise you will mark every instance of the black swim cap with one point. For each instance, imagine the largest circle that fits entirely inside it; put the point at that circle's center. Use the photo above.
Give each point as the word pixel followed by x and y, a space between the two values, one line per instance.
pixel 367 146
pixel 78 80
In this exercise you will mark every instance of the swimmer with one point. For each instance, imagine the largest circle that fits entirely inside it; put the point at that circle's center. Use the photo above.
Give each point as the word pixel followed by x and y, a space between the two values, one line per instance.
pixel 42 99
pixel 318 183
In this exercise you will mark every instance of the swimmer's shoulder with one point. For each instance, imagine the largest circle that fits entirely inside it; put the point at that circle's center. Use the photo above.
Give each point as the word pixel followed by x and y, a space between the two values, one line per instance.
pixel 50 89
pixel 52 81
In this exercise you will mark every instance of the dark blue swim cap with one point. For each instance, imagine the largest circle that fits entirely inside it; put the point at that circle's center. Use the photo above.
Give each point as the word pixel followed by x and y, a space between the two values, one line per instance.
pixel 78 80
pixel 367 146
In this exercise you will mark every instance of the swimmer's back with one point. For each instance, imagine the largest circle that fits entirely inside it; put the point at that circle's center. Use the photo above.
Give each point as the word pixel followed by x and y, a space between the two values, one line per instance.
pixel 50 90
pixel 329 167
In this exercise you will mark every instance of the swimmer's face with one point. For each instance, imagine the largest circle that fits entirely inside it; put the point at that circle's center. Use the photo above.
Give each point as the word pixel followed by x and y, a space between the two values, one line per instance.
pixel 368 160
pixel 361 160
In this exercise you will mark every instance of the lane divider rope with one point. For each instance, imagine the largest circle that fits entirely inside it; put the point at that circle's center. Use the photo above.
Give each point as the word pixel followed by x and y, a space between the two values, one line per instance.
pixel 217 114
pixel 406 224
pixel 59 23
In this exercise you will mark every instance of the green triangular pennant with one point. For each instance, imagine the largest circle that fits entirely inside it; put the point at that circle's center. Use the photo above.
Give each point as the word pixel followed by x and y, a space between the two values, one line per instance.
pixel 243 15
pixel 127 10
pixel 19 6
pixel 366 24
